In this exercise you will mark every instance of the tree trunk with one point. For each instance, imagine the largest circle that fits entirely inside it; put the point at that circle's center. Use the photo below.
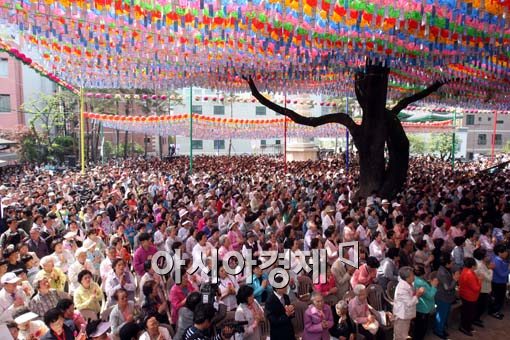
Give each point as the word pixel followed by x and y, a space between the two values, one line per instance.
pixel 371 90
pixel 398 163
pixel 380 128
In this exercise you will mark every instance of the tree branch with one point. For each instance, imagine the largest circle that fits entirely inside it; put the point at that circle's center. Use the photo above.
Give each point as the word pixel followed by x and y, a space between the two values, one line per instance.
pixel 340 118
pixel 403 103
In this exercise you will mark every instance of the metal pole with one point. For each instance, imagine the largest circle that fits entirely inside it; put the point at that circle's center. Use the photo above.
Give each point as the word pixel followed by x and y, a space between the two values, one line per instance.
pixel 453 138
pixel 347 137
pixel 82 133
pixel 285 136
pixel 494 130
pixel 231 117
pixel 190 130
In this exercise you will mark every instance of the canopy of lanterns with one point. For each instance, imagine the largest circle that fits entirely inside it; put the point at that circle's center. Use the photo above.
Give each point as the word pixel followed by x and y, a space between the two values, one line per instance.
pixel 225 128
pixel 299 46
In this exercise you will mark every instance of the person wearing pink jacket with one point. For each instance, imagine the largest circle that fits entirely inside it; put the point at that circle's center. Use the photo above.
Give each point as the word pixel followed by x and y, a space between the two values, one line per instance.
pixel 318 319
pixel 366 273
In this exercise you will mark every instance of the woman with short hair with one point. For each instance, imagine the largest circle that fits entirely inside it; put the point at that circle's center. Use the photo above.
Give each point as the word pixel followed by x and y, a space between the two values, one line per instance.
pixel 88 295
pixel 249 310
pixel 318 319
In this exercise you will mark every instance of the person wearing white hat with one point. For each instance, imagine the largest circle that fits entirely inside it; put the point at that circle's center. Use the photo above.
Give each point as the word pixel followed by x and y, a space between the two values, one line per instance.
pixel 29 327
pixel 12 297
pixel 80 264
pixel 54 275
pixel 328 217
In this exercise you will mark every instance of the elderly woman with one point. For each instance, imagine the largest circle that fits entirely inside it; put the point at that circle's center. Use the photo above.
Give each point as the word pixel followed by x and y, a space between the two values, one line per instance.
pixel 228 287
pixel 119 278
pixel 406 299
pixel 343 327
pixel 123 315
pixel 88 295
pixel 55 276
pixel 80 264
pixel 317 319
pixel 153 304
pixel 153 329
pixel 63 258
pixel 248 310
pixel 225 246
pixel 361 314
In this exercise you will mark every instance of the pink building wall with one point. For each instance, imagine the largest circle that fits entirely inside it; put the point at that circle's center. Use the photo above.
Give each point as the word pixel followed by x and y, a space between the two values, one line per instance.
pixel 13 86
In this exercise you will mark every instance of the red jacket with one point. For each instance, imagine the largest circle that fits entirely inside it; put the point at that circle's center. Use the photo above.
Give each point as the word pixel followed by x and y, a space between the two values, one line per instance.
pixel 469 285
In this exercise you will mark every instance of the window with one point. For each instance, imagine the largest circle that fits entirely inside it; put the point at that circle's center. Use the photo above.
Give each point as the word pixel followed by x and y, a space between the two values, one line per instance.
pixel 219 110
pixel 260 110
pixel 499 139
pixel 500 122
pixel 5 103
pixel 489 119
pixel 263 143
pixel 4 67
pixel 482 139
pixel 479 119
pixel 219 144
pixel 197 144
pixel 278 142
pixel 470 120
pixel 196 109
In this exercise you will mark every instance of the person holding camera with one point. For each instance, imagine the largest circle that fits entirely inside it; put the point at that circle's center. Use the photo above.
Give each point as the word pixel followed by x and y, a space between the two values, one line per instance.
pixel 202 324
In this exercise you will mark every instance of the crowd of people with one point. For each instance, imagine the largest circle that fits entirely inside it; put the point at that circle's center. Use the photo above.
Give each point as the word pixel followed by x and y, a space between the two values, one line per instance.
pixel 77 250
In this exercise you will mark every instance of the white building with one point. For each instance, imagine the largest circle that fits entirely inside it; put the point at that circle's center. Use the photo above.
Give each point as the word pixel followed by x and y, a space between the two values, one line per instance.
pixel 203 103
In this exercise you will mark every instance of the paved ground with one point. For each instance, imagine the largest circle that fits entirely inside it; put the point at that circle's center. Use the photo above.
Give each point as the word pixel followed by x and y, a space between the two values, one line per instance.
pixel 494 329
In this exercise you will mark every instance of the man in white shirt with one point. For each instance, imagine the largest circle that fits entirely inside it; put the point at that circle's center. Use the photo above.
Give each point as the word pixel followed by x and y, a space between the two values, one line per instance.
pixel 12 297
pixel 328 217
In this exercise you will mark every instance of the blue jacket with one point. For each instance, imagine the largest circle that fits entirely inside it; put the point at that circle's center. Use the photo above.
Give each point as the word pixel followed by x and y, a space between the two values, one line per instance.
pixel 501 271
pixel 258 289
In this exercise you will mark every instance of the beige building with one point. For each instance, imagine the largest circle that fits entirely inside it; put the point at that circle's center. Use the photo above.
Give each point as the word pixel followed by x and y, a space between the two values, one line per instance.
pixel 481 130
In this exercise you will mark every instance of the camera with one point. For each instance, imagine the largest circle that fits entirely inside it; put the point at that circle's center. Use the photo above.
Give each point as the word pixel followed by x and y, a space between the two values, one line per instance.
pixel 237 326
pixel 209 292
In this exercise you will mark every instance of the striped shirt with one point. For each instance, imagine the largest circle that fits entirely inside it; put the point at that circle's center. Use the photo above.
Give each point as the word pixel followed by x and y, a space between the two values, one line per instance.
pixel 194 333
pixel 40 304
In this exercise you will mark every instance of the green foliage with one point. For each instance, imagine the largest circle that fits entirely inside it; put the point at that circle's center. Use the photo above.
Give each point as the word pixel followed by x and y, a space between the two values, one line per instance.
pixel 441 144
pixel 48 138
pixel 506 148
pixel 110 150
pixel 62 146
pixel 417 144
